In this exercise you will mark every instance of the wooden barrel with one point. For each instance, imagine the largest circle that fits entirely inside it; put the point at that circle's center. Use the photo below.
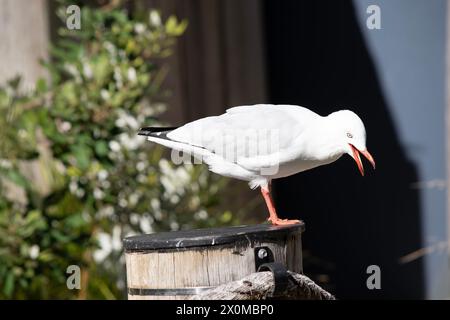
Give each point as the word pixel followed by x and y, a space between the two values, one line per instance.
pixel 179 264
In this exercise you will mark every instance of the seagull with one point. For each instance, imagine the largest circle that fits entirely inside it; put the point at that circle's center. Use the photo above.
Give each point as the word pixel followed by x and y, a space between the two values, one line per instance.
pixel 262 142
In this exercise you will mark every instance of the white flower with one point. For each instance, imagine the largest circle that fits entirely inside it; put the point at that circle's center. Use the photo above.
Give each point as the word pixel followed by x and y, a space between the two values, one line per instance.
pixel 118 78
pixel 105 212
pixel 131 74
pixel 65 126
pixel 87 70
pixel 201 215
pixel 132 122
pixel 117 238
pixel 34 251
pixel 195 201
pixel 79 193
pixel 133 199
pixel 164 166
pixel 134 218
pixel 110 47
pixel 140 166
pixel 60 167
pixel 86 216
pixel 98 194
pixel 120 122
pixel 102 175
pixel 105 243
pixel 174 226
pixel 73 186
pixel 105 94
pixel 155 204
pixel 125 119
pixel 154 18
pixel 146 223
pixel 70 68
pixel 22 133
pixel 182 175
pixel 167 184
pixel 6 164
pixel 106 184
pixel 141 178
pixel 174 199
pixel 158 215
pixel 173 180
pixel 203 179
pixel 156 207
pixel 130 143
pixel 139 28
pixel 136 142
pixel 123 203
pixel 114 146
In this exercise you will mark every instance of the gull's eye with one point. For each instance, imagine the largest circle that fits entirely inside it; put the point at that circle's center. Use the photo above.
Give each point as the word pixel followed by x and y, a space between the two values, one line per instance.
pixel 349 135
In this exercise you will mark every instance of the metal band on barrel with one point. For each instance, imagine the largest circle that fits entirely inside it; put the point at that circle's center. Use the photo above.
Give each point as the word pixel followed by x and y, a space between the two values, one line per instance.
pixel 167 291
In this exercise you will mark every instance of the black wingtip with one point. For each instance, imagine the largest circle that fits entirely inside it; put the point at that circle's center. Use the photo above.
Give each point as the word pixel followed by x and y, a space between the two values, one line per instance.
pixel 148 131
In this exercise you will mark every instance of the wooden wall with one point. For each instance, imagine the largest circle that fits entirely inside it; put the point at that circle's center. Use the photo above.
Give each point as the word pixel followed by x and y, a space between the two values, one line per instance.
pixel 219 62
pixel 24 37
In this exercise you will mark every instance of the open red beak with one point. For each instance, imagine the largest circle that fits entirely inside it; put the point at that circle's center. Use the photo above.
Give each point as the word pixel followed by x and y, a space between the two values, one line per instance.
pixel 357 158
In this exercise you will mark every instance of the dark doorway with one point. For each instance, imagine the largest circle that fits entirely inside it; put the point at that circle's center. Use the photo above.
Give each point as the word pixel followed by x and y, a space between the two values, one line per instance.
pixel 317 58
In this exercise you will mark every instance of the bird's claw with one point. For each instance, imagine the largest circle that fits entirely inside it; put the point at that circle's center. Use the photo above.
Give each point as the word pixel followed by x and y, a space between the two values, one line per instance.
pixel 282 222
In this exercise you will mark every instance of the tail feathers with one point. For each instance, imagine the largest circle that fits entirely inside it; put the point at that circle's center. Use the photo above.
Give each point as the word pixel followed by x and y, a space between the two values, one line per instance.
pixel 155 131
pixel 159 135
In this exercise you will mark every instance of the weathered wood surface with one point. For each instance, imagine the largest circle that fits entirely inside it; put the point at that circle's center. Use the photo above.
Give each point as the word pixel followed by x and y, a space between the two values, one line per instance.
pixel 153 264
pixel 203 267
pixel 260 285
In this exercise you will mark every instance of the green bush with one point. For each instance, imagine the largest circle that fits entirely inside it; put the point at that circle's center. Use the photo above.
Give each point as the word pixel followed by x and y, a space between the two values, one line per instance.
pixel 98 181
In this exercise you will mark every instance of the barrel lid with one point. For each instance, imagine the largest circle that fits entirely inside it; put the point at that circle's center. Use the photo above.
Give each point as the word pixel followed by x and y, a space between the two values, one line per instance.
pixel 209 237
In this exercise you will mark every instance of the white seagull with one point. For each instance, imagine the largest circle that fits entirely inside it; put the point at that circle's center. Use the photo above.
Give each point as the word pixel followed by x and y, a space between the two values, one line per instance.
pixel 259 143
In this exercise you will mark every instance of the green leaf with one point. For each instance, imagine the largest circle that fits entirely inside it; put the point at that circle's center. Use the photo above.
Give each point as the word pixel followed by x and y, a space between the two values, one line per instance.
pixel 15 82
pixel 16 177
pixel 171 24
pixel 59 236
pixel 101 148
pixel 8 287
pixel 101 68
pixel 181 28
pixel 174 28
pixel 41 85
pixel 75 221
pixel 82 155
pixel 68 93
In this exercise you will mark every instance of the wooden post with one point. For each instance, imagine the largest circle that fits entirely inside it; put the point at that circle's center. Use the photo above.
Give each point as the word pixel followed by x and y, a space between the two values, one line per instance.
pixel 178 265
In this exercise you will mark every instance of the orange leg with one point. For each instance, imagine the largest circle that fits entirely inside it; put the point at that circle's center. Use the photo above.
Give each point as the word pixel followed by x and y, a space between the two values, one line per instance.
pixel 273 213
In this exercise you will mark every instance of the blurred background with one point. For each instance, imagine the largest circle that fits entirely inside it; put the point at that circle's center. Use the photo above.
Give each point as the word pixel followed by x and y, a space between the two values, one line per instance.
pixel 75 179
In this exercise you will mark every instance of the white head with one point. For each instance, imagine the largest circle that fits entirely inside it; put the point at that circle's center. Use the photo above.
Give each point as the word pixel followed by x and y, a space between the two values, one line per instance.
pixel 351 136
